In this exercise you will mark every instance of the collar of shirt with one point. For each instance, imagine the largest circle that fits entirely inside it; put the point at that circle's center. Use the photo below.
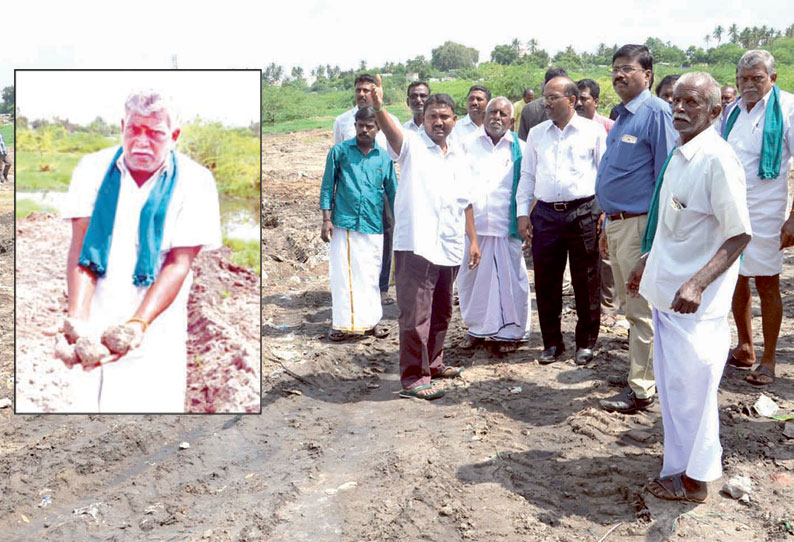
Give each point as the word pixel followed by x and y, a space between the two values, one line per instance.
pixel 352 143
pixel 635 103
pixel 760 104
pixel 126 172
pixel 452 147
pixel 466 120
pixel 694 145
pixel 574 124
pixel 507 137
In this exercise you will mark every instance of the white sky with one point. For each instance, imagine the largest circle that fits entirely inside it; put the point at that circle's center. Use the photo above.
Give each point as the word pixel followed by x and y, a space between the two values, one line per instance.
pixel 231 97
pixel 239 34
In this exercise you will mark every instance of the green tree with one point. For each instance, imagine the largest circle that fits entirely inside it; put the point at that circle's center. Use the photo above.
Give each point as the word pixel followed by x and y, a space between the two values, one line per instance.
pixel 727 53
pixel 733 32
pixel 568 58
pixel 7 107
pixel 453 56
pixel 718 33
pixel 273 73
pixel 420 66
pixel 504 55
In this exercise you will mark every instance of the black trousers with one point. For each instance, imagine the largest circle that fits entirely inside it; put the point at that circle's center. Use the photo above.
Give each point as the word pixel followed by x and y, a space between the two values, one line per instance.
pixel 556 234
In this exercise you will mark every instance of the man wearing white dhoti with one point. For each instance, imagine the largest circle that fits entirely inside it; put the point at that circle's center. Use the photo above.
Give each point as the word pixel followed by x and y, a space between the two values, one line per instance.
pixel 140 214
pixel 760 128
pixel 358 172
pixel 698 224
pixel 494 297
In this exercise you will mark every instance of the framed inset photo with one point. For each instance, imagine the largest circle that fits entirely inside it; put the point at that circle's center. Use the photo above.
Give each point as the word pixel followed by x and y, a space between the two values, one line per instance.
pixel 137 284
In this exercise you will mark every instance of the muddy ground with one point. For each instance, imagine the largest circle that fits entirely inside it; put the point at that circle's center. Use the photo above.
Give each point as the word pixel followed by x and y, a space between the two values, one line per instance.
pixel 336 455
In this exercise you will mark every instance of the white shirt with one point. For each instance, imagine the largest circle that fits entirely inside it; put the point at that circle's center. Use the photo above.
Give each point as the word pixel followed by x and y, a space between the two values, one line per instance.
pixel 702 204
pixel 491 169
pixel 463 129
pixel 431 197
pixel 748 133
pixel 560 165
pixel 345 127
pixel 193 219
pixel 411 126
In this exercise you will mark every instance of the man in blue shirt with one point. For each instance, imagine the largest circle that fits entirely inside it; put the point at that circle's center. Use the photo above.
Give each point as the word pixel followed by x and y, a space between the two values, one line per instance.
pixel 358 172
pixel 5 162
pixel 637 146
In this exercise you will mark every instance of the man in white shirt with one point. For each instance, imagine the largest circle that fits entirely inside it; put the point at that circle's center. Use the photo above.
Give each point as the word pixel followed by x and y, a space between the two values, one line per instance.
pixel 476 101
pixel 115 198
pixel 344 129
pixel 494 297
pixel 432 213
pixel 558 170
pixel 760 128
pixel 418 92
pixel 701 227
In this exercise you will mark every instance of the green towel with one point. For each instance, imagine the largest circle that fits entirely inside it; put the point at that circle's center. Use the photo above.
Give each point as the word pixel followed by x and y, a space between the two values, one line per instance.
pixel 516 156
pixel 772 143
pixel 653 210
pixel 96 244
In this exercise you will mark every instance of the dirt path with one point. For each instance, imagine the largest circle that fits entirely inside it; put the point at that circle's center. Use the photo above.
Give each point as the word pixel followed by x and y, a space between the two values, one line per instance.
pixel 337 456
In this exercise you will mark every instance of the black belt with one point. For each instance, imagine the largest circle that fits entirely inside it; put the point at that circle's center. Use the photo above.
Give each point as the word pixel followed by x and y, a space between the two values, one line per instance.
pixel 623 215
pixel 565 205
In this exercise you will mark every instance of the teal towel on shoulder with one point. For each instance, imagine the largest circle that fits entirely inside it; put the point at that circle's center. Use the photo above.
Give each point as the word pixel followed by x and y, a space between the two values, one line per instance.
pixel 516 156
pixel 653 210
pixel 98 236
pixel 772 142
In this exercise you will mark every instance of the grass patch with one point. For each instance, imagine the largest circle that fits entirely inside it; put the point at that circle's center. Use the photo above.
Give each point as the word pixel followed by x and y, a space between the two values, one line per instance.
pixel 36 172
pixel 26 207
pixel 8 134
pixel 6 202
pixel 326 122
pixel 245 253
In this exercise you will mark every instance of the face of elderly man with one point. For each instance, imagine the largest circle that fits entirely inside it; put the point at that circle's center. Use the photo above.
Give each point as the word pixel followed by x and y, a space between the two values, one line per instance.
pixel 691 111
pixel 754 83
pixel 146 140
pixel 498 119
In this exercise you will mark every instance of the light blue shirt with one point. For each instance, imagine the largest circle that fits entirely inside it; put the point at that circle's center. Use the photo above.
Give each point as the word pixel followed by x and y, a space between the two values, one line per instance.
pixel 637 146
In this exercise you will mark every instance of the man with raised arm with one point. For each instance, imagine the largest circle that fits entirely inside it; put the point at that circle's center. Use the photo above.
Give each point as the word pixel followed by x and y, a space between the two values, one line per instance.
pixel 697 226
pixel 760 128
pixel 494 297
pixel 432 212
pixel 140 214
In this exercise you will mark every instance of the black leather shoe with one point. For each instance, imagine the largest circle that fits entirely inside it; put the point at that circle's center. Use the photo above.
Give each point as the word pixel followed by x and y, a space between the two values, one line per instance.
pixel 583 356
pixel 626 403
pixel 551 354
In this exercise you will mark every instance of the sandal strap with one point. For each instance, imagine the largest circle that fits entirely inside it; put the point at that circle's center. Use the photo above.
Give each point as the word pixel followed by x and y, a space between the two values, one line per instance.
pixel 678 486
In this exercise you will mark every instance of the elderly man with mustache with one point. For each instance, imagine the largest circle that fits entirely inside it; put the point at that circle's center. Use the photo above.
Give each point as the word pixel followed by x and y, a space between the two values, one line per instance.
pixel 760 128
pixel 697 226
pixel 494 297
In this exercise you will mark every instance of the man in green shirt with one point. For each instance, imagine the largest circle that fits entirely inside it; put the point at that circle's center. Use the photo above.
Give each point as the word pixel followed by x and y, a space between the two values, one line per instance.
pixel 358 172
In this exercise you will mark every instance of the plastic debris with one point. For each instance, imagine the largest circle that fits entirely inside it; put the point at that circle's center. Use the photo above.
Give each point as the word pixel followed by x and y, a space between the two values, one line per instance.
pixel 516 390
pixel 10 382
pixel 738 486
pixel 184 445
pixel 5 402
pixel 765 406
pixel 45 500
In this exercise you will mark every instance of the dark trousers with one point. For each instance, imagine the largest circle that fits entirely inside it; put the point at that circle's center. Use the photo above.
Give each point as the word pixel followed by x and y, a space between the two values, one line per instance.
pixel 557 235
pixel 388 233
pixel 424 296
pixel 5 162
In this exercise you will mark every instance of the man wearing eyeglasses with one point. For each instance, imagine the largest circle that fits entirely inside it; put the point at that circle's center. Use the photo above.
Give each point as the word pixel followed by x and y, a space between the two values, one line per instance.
pixel 558 171
pixel 637 146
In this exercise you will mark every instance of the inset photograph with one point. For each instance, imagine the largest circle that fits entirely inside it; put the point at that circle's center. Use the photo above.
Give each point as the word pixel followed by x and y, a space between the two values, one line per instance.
pixel 137 268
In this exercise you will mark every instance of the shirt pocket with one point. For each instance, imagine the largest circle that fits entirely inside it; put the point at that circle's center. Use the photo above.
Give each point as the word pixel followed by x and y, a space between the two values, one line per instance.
pixel 629 156
pixel 679 220
pixel 578 158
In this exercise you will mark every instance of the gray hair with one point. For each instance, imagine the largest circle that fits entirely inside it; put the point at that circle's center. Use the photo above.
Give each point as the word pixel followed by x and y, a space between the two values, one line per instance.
pixel 710 86
pixel 756 57
pixel 148 102
pixel 493 100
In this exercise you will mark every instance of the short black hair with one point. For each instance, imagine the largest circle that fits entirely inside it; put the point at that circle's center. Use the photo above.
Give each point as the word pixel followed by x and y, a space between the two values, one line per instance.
pixel 365 78
pixel 440 99
pixel 667 80
pixel 637 52
pixel 553 72
pixel 416 84
pixel 365 113
pixel 590 84
pixel 481 88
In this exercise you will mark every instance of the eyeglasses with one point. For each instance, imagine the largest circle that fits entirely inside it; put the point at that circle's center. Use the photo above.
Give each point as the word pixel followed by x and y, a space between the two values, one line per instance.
pixel 625 70
pixel 551 99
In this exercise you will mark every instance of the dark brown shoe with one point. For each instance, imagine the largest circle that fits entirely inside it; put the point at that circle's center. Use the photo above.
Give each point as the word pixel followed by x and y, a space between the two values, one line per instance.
pixel 626 402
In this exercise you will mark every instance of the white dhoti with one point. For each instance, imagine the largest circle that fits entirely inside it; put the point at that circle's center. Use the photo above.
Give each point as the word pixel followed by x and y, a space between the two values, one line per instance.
pixel 688 360
pixel 767 202
pixel 494 297
pixel 355 262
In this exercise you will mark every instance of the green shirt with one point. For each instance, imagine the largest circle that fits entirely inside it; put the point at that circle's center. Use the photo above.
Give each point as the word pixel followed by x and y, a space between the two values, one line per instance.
pixel 353 186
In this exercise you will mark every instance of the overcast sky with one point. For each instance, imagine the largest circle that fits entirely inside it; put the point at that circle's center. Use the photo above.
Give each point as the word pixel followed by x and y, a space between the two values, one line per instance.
pixel 237 34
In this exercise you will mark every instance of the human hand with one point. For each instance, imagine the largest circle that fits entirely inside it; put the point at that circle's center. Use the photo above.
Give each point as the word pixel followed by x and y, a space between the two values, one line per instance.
pixel 377 94
pixel 600 225
pixel 474 255
pixel 688 298
pixel 327 231
pixel 787 233
pixel 603 245
pixel 635 276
